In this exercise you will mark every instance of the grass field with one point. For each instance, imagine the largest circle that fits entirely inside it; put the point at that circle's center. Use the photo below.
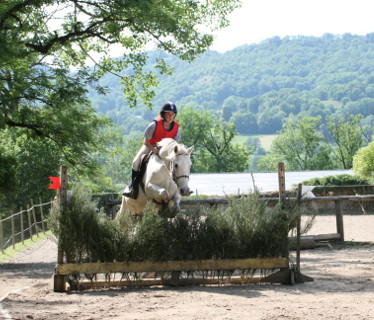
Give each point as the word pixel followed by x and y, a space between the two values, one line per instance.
pixel 265 140
pixel 19 247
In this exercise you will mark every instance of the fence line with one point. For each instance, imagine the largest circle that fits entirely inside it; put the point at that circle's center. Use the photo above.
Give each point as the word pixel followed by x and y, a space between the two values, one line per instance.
pixel 36 222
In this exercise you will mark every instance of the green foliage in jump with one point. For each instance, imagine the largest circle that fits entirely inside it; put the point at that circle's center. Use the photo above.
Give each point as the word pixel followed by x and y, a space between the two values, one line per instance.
pixel 339 180
pixel 248 228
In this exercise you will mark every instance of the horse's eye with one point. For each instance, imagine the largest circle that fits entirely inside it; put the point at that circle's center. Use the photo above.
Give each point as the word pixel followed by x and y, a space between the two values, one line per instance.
pixel 176 166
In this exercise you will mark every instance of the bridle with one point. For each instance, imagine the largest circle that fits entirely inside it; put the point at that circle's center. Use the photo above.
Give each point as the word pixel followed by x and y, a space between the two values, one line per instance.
pixel 175 177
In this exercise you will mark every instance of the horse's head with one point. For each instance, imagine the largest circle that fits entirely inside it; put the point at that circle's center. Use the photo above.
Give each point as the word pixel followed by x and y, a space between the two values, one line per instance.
pixel 178 155
pixel 180 168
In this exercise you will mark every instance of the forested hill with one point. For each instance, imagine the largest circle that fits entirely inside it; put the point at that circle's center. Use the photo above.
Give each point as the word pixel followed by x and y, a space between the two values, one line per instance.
pixel 258 86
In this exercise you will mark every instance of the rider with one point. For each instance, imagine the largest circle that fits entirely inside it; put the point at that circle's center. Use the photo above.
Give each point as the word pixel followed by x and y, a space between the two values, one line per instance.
pixel 160 128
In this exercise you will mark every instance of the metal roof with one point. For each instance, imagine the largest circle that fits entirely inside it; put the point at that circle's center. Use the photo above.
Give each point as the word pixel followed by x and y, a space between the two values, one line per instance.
pixel 221 184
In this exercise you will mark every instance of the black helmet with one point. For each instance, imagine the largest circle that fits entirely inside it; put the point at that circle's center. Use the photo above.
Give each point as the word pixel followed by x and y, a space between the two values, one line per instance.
pixel 169 107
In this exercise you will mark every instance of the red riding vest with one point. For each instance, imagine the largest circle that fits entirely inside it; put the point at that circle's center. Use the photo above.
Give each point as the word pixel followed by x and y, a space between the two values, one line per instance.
pixel 161 133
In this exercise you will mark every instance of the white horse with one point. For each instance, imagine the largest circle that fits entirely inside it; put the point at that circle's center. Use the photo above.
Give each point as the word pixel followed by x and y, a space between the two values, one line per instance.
pixel 165 179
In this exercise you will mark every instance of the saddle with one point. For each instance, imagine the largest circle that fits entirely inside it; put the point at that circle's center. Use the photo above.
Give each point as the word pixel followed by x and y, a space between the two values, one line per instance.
pixel 143 167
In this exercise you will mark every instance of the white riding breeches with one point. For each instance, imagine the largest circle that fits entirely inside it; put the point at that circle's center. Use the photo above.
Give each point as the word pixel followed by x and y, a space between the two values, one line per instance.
pixel 138 158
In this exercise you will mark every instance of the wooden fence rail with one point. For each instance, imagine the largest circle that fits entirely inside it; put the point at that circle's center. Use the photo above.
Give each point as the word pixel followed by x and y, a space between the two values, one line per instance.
pixel 337 200
pixel 35 223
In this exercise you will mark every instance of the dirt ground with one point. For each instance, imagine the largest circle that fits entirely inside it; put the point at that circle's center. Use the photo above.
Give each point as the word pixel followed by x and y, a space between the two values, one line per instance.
pixel 343 288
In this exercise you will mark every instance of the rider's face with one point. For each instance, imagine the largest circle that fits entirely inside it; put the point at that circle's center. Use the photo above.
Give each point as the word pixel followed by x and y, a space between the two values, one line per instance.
pixel 169 116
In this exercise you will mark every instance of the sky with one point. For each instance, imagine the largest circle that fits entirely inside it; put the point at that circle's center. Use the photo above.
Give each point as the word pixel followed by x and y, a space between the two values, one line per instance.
pixel 258 20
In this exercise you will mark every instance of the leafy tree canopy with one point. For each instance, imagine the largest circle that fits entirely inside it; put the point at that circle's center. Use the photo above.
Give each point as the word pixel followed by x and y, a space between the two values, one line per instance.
pixel 214 150
pixel 348 137
pixel 42 39
pixel 300 145
pixel 363 162
pixel 45 49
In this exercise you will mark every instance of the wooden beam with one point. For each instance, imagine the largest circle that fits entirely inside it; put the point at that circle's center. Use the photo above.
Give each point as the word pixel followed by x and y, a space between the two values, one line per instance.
pixel 224 201
pixel 163 266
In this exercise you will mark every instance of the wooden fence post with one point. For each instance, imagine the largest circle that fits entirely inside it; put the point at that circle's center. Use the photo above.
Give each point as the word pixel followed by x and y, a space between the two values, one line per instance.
pixel 1 235
pixel 59 280
pixel 298 228
pixel 41 214
pixel 13 232
pixel 29 220
pixel 21 222
pixel 339 219
pixel 282 183
pixel 34 216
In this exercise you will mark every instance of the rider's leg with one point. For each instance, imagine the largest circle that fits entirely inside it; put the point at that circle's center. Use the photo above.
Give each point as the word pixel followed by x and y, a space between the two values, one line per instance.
pixel 133 189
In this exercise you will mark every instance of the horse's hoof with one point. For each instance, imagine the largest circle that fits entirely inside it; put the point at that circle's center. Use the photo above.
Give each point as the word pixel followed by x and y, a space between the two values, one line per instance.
pixel 165 196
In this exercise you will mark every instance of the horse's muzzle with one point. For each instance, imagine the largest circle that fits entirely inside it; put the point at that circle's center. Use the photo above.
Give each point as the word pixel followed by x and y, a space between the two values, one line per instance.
pixel 185 191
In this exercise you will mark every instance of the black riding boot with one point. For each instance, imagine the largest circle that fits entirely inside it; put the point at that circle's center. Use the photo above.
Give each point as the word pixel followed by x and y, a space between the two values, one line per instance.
pixel 133 188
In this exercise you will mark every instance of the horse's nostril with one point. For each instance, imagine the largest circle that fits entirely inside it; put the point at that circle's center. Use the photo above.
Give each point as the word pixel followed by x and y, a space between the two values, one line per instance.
pixel 185 191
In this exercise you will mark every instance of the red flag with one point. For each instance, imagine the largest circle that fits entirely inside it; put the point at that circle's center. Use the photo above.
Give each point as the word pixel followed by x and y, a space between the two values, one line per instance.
pixel 55 183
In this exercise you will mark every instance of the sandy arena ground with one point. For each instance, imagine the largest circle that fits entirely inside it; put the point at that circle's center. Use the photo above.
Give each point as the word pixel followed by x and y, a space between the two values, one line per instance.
pixel 343 288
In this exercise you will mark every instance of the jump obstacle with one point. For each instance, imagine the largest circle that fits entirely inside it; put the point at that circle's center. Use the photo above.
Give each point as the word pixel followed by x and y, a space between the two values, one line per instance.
pixel 175 273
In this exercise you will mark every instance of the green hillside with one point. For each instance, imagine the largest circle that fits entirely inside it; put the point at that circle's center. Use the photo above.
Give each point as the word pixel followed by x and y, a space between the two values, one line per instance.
pixel 265 140
pixel 257 86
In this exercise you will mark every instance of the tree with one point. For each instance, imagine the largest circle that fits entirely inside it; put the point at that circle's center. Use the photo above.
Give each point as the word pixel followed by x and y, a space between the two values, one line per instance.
pixel 245 122
pixel 214 150
pixel 363 161
pixel 220 155
pixel 347 135
pixel 300 145
pixel 43 41
pixel 33 161
pixel 70 32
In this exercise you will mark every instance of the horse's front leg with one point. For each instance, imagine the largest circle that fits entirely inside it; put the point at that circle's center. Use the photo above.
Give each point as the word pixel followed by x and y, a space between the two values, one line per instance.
pixel 174 205
pixel 157 192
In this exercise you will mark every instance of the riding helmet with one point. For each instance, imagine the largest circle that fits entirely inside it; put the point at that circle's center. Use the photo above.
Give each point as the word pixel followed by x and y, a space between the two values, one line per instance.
pixel 169 107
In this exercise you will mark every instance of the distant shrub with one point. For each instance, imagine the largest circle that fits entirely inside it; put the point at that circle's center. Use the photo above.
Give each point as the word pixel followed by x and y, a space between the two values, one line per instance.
pixel 339 180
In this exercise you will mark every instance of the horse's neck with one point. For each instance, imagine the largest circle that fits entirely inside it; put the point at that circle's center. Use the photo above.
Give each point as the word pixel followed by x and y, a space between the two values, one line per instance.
pixel 163 160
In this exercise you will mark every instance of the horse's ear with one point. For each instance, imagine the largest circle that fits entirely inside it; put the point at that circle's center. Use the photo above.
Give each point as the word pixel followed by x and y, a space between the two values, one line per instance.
pixel 176 149
pixel 190 149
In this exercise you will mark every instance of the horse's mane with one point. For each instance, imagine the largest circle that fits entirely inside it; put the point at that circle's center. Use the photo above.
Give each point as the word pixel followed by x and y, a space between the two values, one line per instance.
pixel 169 145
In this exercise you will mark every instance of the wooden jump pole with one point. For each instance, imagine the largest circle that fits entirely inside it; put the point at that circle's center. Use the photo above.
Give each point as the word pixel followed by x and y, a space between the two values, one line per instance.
pixel 59 280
